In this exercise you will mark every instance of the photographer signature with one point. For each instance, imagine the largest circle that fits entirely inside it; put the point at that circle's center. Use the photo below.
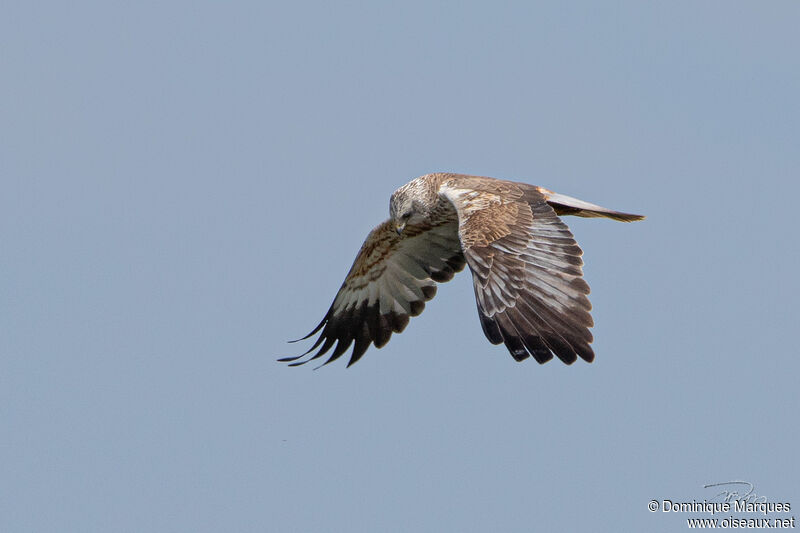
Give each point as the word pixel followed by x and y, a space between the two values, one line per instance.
pixel 731 492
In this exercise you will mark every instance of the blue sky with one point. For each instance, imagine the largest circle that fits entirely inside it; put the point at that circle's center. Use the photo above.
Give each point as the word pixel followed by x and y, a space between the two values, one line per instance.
pixel 185 186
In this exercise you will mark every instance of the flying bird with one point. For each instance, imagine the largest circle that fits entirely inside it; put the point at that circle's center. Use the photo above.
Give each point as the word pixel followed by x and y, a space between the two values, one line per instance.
pixel 526 268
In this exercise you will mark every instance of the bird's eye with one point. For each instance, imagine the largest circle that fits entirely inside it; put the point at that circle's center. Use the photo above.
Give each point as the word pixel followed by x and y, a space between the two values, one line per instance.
pixel 406 215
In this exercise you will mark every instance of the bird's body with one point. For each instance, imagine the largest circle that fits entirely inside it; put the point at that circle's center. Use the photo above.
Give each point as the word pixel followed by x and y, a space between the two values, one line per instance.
pixel 525 264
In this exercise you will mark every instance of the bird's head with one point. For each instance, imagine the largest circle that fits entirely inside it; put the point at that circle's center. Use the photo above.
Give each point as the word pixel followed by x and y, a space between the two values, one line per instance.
pixel 408 206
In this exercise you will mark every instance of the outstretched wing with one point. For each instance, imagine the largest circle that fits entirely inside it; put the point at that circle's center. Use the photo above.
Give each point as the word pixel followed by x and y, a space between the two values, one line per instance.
pixel 526 269
pixel 391 279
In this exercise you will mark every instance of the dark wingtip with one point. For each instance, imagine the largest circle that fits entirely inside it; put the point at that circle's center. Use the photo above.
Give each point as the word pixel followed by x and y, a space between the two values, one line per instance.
pixel 587 354
pixel 307 336
pixel 316 329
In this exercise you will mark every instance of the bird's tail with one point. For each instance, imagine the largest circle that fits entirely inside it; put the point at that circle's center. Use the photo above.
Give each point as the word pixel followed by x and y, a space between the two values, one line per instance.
pixel 566 205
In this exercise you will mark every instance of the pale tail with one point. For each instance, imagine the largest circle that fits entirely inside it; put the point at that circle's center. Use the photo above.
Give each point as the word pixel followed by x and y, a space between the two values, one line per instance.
pixel 566 205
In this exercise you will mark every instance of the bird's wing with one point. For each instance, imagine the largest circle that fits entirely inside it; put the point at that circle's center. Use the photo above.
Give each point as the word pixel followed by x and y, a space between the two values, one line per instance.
pixel 391 279
pixel 526 269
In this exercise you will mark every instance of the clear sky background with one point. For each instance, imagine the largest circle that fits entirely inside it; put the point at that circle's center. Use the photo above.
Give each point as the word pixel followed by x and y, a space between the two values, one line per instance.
pixel 185 185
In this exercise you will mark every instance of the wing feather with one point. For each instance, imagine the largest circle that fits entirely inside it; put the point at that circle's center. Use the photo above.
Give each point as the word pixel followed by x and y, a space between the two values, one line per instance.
pixel 391 279
pixel 526 267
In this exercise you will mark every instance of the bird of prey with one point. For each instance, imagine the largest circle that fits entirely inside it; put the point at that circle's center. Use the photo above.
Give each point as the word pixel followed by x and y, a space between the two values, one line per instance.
pixel 526 268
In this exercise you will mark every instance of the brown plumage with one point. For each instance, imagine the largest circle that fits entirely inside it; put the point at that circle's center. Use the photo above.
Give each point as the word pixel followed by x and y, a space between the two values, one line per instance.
pixel 525 263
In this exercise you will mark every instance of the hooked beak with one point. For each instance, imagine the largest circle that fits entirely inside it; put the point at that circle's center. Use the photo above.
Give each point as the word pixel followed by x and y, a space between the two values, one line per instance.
pixel 400 227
